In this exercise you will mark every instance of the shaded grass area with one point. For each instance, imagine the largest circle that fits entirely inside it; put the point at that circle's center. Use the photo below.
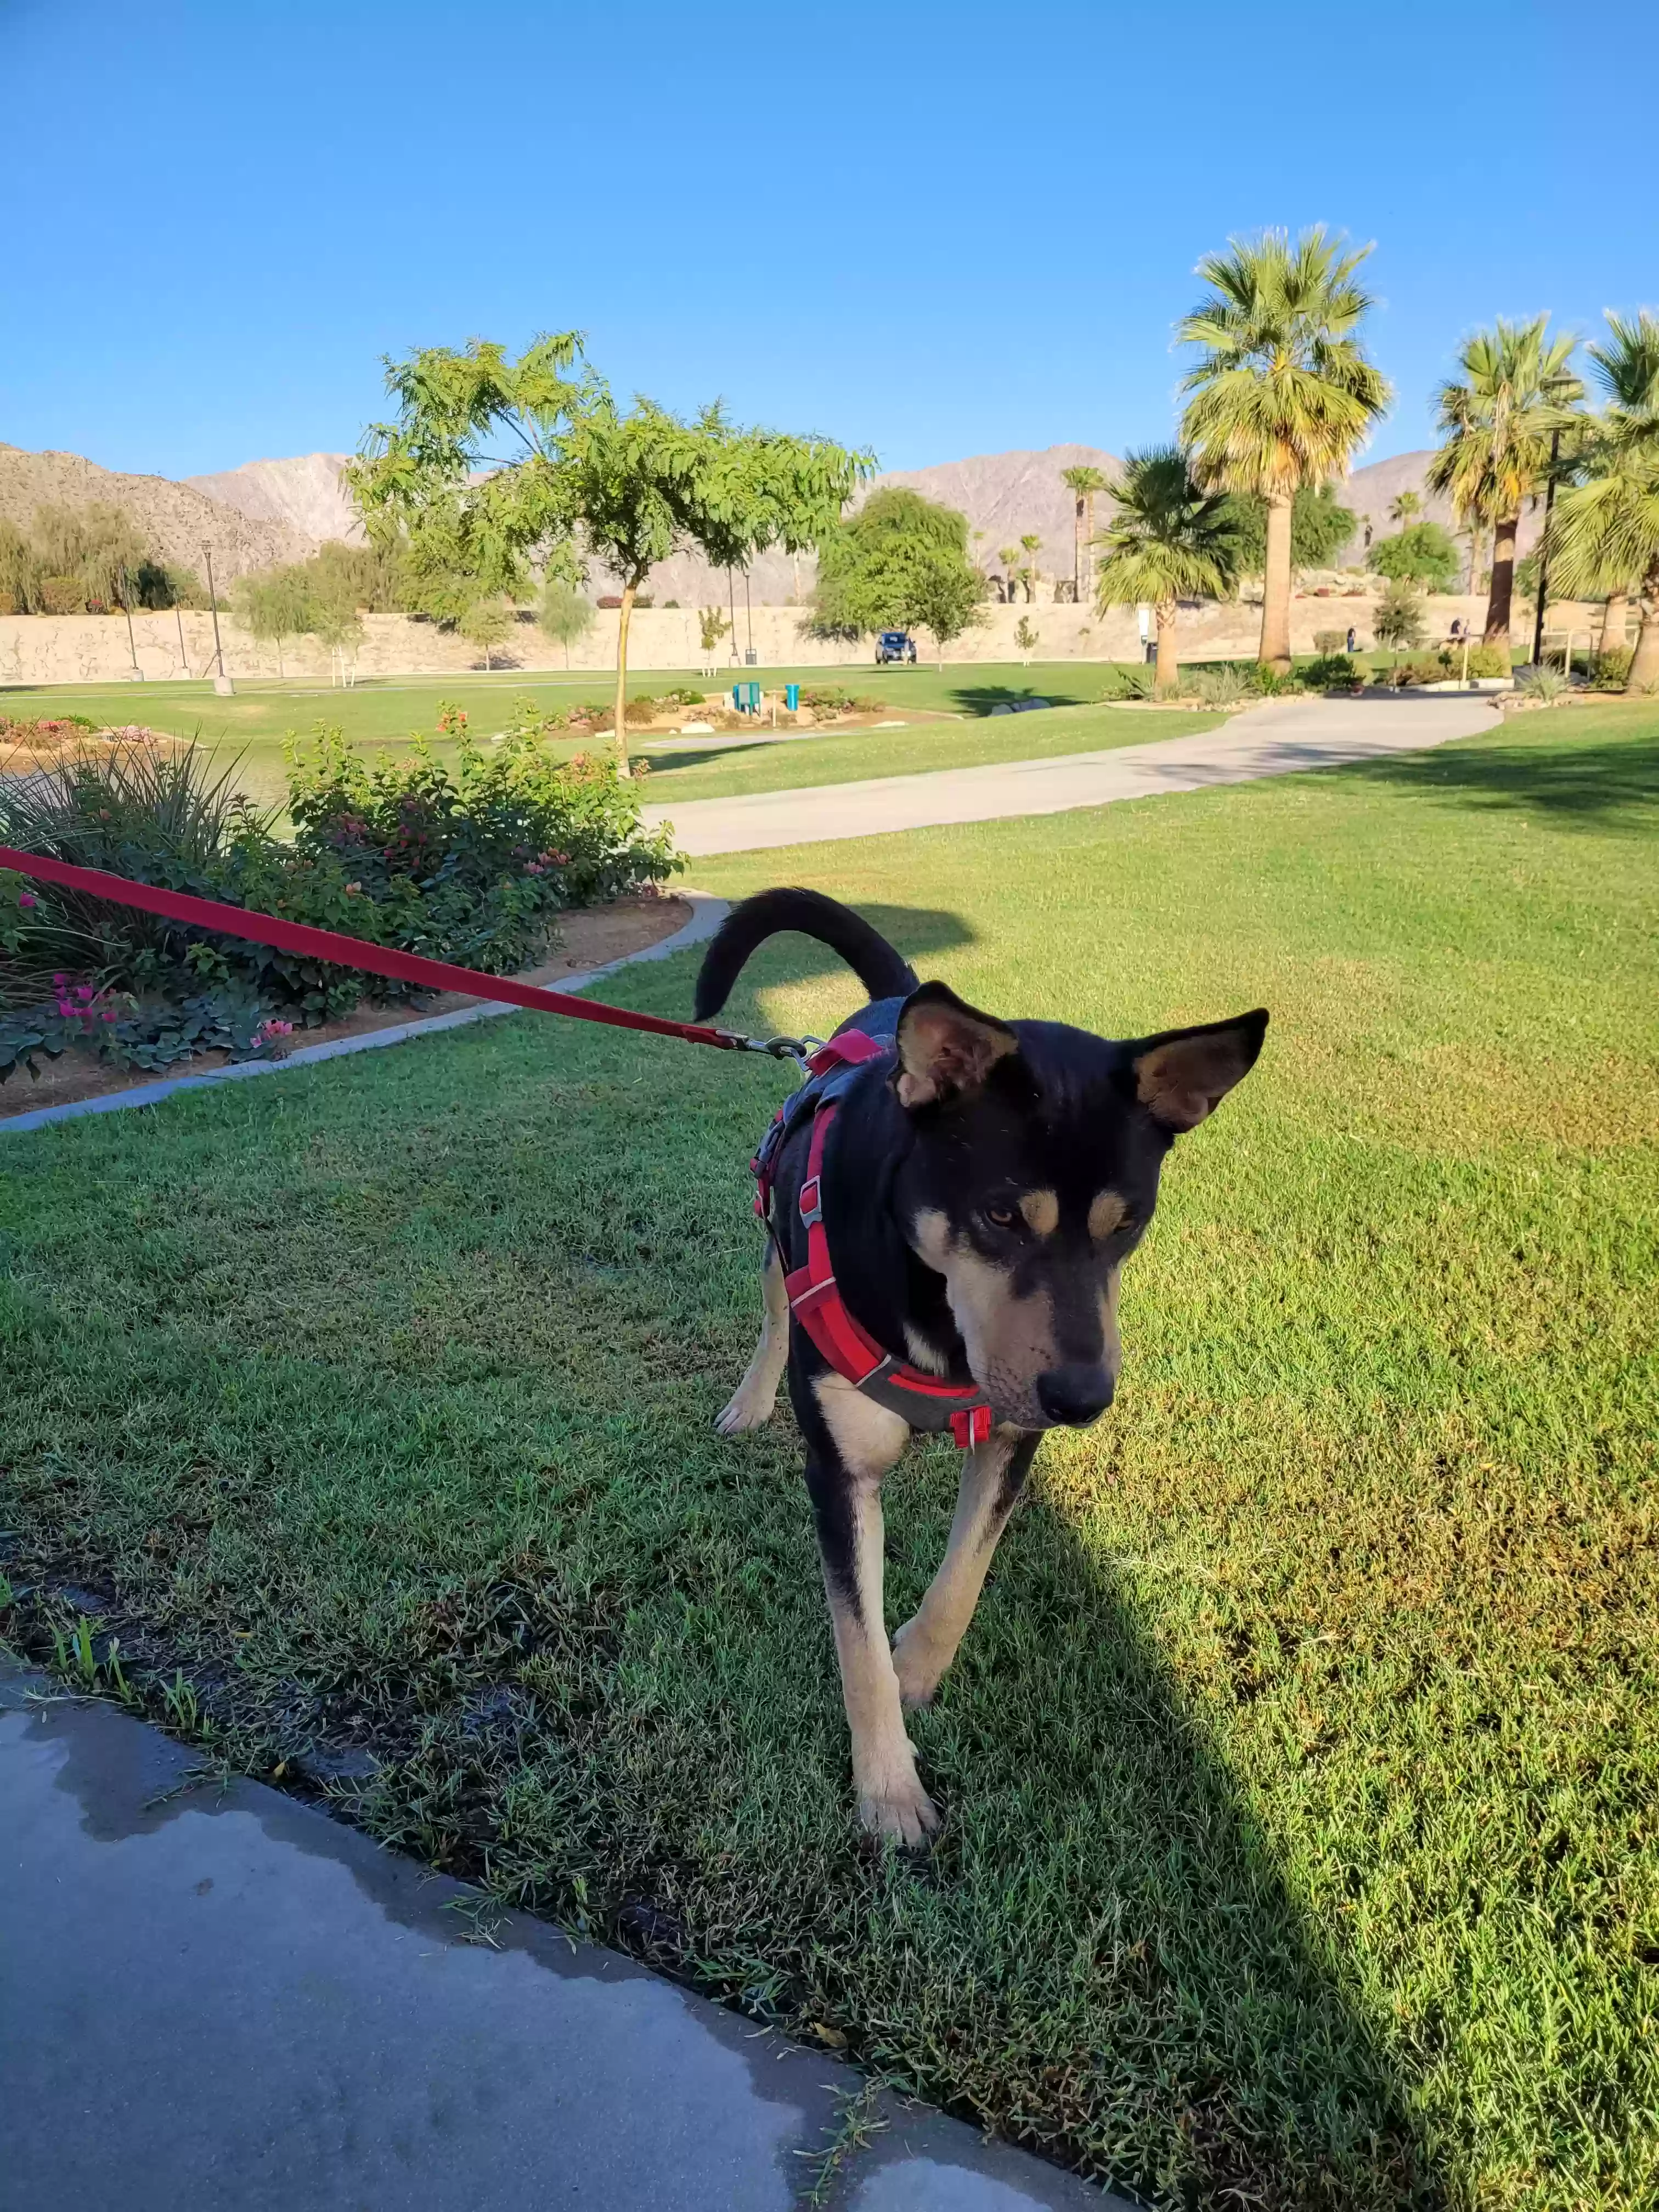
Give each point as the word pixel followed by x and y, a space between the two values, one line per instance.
pixel 855 754
pixel 1299 1767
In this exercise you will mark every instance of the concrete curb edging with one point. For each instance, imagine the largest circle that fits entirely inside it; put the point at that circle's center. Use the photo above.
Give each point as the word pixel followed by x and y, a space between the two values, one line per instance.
pixel 708 913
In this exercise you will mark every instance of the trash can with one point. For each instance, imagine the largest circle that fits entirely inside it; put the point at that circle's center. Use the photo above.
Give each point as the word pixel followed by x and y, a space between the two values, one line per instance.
pixel 752 659
pixel 791 698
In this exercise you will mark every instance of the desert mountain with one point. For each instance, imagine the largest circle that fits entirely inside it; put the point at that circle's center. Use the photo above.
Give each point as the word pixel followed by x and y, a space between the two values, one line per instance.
pixel 305 492
pixel 176 521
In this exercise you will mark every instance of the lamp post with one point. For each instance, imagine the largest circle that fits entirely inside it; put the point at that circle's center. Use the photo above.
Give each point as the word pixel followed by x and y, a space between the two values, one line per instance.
pixel 213 604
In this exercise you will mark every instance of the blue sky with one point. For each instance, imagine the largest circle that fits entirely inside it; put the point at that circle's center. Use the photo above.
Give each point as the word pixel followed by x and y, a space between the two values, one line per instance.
pixel 934 230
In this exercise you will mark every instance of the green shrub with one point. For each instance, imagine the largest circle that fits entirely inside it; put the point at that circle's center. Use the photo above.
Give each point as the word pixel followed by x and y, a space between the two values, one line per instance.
pixel 1610 672
pixel 1332 671
pixel 1548 684
pixel 1127 684
pixel 1330 640
pixel 1483 660
pixel 1216 687
pixel 471 864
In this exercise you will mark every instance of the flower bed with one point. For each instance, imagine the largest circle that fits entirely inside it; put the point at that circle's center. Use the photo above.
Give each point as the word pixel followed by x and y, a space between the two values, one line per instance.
pixel 472 863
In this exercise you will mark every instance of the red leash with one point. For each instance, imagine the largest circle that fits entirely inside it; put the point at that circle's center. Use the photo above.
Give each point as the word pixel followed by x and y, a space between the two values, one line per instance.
pixel 355 952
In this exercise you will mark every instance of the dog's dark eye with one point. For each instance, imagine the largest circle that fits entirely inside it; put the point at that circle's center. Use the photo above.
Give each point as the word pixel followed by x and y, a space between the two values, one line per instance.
pixel 1000 1217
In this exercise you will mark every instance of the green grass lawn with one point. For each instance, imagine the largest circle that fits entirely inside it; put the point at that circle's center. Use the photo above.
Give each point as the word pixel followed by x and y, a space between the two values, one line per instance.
pixel 255 721
pixel 1300 1767
pixel 854 754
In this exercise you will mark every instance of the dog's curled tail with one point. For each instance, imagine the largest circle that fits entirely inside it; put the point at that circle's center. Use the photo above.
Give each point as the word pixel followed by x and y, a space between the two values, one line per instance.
pixel 882 972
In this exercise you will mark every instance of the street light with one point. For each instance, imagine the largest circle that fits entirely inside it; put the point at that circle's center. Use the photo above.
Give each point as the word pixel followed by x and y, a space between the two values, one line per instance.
pixel 213 604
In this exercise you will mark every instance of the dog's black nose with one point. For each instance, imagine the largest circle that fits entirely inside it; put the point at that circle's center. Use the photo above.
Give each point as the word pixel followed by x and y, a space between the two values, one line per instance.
pixel 1075 1394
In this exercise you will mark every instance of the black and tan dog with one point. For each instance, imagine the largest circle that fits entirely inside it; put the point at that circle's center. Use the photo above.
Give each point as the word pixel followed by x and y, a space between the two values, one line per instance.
pixel 981 1184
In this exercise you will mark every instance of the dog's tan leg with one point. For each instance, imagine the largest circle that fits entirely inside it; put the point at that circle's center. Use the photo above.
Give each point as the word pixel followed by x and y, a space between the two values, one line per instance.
pixel 752 1402
pixel 991 1476
pixel 868 1439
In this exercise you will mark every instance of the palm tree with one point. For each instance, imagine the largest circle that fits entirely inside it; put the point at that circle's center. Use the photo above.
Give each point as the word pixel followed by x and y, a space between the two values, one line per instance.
pixel 1008 555
pixel 1169 540
pixel 1031 544
pixel 1517 388
pixel 1604 534
pixel 1282 391
pixel 1082 482
pixel 1405 509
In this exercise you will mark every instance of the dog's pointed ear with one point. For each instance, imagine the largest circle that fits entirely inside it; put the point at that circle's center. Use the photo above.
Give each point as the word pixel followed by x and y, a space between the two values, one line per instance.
pixel 946 1049
pixel 1183 1075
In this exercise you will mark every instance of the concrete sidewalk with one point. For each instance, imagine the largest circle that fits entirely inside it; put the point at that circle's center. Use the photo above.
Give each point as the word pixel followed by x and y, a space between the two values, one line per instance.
pixel 1276 740
pixel 225 2001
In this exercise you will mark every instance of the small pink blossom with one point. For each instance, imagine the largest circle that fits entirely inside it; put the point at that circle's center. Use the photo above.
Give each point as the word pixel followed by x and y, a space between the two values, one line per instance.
pixel 28 898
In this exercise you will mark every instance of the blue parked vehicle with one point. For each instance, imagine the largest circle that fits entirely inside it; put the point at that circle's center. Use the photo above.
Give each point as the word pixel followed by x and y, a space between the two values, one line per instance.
pixel 894 645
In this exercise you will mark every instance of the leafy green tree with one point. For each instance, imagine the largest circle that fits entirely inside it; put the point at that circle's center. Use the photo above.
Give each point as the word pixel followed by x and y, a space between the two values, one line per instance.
pixel 1398 621
pixel 486 624
pixel 1282 391
pixel 1082 482
pixel 591 482
pixel 712 627
pixel 274 603
pixel 1319 528
pixel 1169 540
pixel 900 562
pixel 1031 545
pixel 562 614
pixel 1424 553
pixel 1009 556
pixel 1517 388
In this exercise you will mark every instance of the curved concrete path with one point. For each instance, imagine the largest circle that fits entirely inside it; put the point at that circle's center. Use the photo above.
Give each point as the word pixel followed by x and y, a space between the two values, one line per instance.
pixel 216 1997
pixel 1275 740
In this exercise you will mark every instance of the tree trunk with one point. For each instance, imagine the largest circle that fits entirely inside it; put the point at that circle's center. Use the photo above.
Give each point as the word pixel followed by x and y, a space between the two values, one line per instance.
pixel 1644 662
pixel 1088 545
pixel 1168 656
pixel 1501 593
pixel 1275 648
pixel 628 591
pixel 1077 551
pixel 1614 623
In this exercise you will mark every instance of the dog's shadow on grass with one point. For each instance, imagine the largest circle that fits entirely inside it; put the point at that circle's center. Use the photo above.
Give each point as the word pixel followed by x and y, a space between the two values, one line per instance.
pixel 1605 786
pixel 1216 2045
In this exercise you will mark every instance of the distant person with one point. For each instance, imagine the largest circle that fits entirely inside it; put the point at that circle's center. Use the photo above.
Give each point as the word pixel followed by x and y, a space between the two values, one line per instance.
pixel 1457 629
pixel 1354 639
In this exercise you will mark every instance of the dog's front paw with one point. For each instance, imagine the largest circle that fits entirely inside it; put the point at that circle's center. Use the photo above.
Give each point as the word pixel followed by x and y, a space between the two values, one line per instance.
pixel 918 1665
pixel 748 1408
pixel 899 1811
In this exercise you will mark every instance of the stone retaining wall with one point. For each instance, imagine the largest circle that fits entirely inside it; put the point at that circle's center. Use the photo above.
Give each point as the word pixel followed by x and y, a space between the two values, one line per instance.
pixel 51 649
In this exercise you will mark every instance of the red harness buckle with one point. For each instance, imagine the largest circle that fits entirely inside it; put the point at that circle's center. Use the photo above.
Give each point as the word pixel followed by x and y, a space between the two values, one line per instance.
pixel 971 1427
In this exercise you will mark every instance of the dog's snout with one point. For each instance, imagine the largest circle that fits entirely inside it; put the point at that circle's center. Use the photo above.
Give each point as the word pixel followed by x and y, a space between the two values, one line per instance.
pixel 1075 1394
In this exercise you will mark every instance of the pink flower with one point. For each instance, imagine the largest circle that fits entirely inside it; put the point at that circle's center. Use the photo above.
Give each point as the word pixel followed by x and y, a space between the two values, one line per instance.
pixel 59 981
pixel 28 898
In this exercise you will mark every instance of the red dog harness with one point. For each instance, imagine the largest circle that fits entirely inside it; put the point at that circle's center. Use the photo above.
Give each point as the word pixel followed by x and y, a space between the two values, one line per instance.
pixel 924 1400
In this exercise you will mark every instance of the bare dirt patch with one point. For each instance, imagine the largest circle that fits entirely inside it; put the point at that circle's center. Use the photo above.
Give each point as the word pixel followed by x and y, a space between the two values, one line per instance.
pixel 589 937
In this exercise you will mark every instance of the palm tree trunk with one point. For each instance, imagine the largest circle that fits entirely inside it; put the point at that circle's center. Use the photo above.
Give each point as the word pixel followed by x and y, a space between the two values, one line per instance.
pixel 1501 593
pixel 1089 544
pixel 1275 647
pixel 1644 662
pixel 1077 551
pixel 1168 655
pixel 1614 623
pixel 628 591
